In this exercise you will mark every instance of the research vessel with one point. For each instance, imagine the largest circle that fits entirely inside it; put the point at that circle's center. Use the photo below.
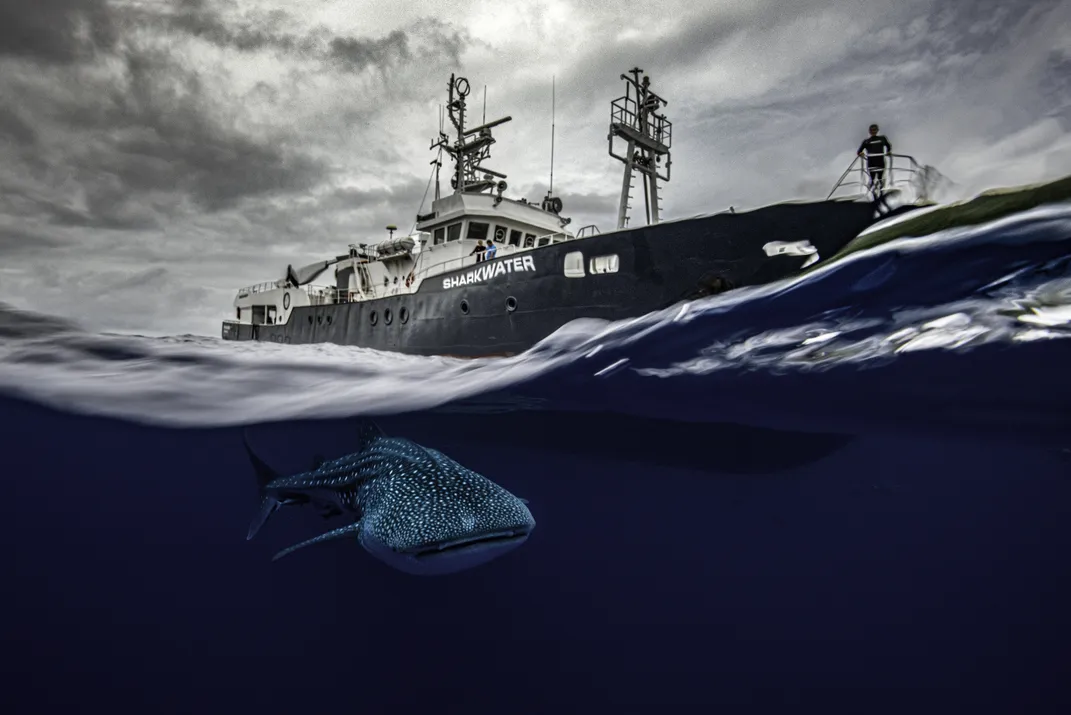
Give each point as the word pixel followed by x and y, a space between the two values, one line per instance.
pixel 484 274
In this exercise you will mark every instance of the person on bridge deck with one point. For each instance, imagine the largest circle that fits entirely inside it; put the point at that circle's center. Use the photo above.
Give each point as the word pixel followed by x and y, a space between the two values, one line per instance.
pixel 489 254
pixel 478 250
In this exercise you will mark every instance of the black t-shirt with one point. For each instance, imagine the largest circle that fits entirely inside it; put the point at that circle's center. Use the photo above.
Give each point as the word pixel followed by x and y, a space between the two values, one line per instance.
pixel 875 146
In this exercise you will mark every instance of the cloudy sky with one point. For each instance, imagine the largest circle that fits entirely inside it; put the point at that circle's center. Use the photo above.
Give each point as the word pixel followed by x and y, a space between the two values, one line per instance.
pixel 155 155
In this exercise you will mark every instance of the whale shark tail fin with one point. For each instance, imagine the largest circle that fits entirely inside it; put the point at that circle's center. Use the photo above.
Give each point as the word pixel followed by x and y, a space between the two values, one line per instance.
pixel 265 475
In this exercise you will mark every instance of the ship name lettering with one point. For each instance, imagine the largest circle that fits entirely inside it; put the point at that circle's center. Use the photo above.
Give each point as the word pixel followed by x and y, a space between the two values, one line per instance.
pixel 490 270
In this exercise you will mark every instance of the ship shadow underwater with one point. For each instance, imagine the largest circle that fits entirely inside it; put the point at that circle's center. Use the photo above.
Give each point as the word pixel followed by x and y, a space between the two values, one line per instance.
pixel 925 569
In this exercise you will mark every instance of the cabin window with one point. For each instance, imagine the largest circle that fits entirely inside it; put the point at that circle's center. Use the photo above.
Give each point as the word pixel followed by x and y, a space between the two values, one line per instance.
pixel 574 265
pixel 500 234
pixel 515 238
pixel 259 312
pixel 440 236
pixel 605 264
pixel 529 240
pixel 453 231
pixel 478 230
pixel 272 315
pixel 544 241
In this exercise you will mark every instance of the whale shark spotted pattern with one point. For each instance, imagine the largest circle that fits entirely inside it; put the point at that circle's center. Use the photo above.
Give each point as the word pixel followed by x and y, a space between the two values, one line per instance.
pixel 418 510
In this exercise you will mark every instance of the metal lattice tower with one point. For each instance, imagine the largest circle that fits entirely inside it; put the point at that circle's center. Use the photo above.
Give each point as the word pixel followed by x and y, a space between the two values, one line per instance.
pixel 648 136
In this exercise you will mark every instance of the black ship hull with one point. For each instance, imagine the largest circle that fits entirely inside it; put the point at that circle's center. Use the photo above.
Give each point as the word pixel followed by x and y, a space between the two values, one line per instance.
pixel 506 305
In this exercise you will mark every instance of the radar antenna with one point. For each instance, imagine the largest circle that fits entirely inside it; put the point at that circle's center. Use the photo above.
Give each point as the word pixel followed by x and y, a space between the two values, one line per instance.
pixel 472 146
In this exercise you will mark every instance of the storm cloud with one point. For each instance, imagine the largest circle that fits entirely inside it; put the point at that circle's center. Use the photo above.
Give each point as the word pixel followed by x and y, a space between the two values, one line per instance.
pixel 154 156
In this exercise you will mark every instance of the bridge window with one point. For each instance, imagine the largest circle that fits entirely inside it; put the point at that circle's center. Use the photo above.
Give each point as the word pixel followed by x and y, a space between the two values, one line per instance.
pixel 605 264
pixel 478 230
pixel 529 240
pixel 515 238
pixel 544 241
pixel 500 234
pixel 440 236
pixel 574 265
pixel 453 231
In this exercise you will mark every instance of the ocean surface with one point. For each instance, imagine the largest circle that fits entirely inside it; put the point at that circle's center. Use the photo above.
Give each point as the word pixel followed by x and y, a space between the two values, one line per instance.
pixel 849 490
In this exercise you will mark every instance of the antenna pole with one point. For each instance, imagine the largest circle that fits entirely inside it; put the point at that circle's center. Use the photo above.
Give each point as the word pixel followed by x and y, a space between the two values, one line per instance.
pixel 552 113
pixel 484 105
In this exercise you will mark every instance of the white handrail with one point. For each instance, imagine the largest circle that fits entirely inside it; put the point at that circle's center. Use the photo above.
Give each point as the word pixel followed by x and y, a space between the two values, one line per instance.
pixel 471 259
pixel 262 287
pixel 912 169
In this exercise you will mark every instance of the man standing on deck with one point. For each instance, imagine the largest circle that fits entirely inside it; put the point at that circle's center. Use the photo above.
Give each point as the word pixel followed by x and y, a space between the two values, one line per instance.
pixel 876 147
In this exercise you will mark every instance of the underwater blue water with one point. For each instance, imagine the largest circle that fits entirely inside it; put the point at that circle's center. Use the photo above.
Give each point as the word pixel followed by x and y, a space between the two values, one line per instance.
pixel 846 490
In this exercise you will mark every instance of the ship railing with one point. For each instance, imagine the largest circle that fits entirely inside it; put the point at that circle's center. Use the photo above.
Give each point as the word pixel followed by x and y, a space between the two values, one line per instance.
pixel 900 170
pixel 443 267
pixel 260 288
pixel 624 111
pixel 322 295
pixel 471 260
pixel 330 295
pixel 549 238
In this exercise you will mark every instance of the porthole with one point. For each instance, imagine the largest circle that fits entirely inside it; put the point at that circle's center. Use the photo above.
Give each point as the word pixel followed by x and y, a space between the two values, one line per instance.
pixel 310 320
pixel 373 317
pixel 388 317
pixel 329 320
pixel 403 314
pixel 465 307
pixel 511 304
pixel 286 301
pixel 319 320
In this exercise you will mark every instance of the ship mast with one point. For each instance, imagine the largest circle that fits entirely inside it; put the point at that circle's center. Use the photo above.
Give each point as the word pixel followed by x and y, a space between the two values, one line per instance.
pixel 648 136
pixel 472 146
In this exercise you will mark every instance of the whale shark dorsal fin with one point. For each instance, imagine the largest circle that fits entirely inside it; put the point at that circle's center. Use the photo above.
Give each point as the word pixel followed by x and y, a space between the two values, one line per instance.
pixel 339 533
pixel 367 432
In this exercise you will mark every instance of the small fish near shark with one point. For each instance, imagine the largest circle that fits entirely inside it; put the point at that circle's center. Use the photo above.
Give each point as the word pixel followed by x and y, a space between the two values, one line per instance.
pixel 417 510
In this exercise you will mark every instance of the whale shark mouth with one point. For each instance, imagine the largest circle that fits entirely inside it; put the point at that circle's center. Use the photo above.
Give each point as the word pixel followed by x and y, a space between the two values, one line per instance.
pixel 494 538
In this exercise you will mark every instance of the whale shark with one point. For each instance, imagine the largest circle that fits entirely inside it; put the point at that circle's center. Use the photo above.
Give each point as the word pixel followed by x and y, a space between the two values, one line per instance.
pixel 416 509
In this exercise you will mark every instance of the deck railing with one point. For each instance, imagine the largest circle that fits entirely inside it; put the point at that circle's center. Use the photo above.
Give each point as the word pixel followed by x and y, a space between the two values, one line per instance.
pixel 900 170
pixel 261 287
pixel 327 295
pixel 470 260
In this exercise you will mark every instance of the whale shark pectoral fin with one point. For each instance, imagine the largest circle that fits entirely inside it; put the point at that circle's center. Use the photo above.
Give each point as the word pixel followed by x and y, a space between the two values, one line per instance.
pixel 339 533
pixel 523 501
